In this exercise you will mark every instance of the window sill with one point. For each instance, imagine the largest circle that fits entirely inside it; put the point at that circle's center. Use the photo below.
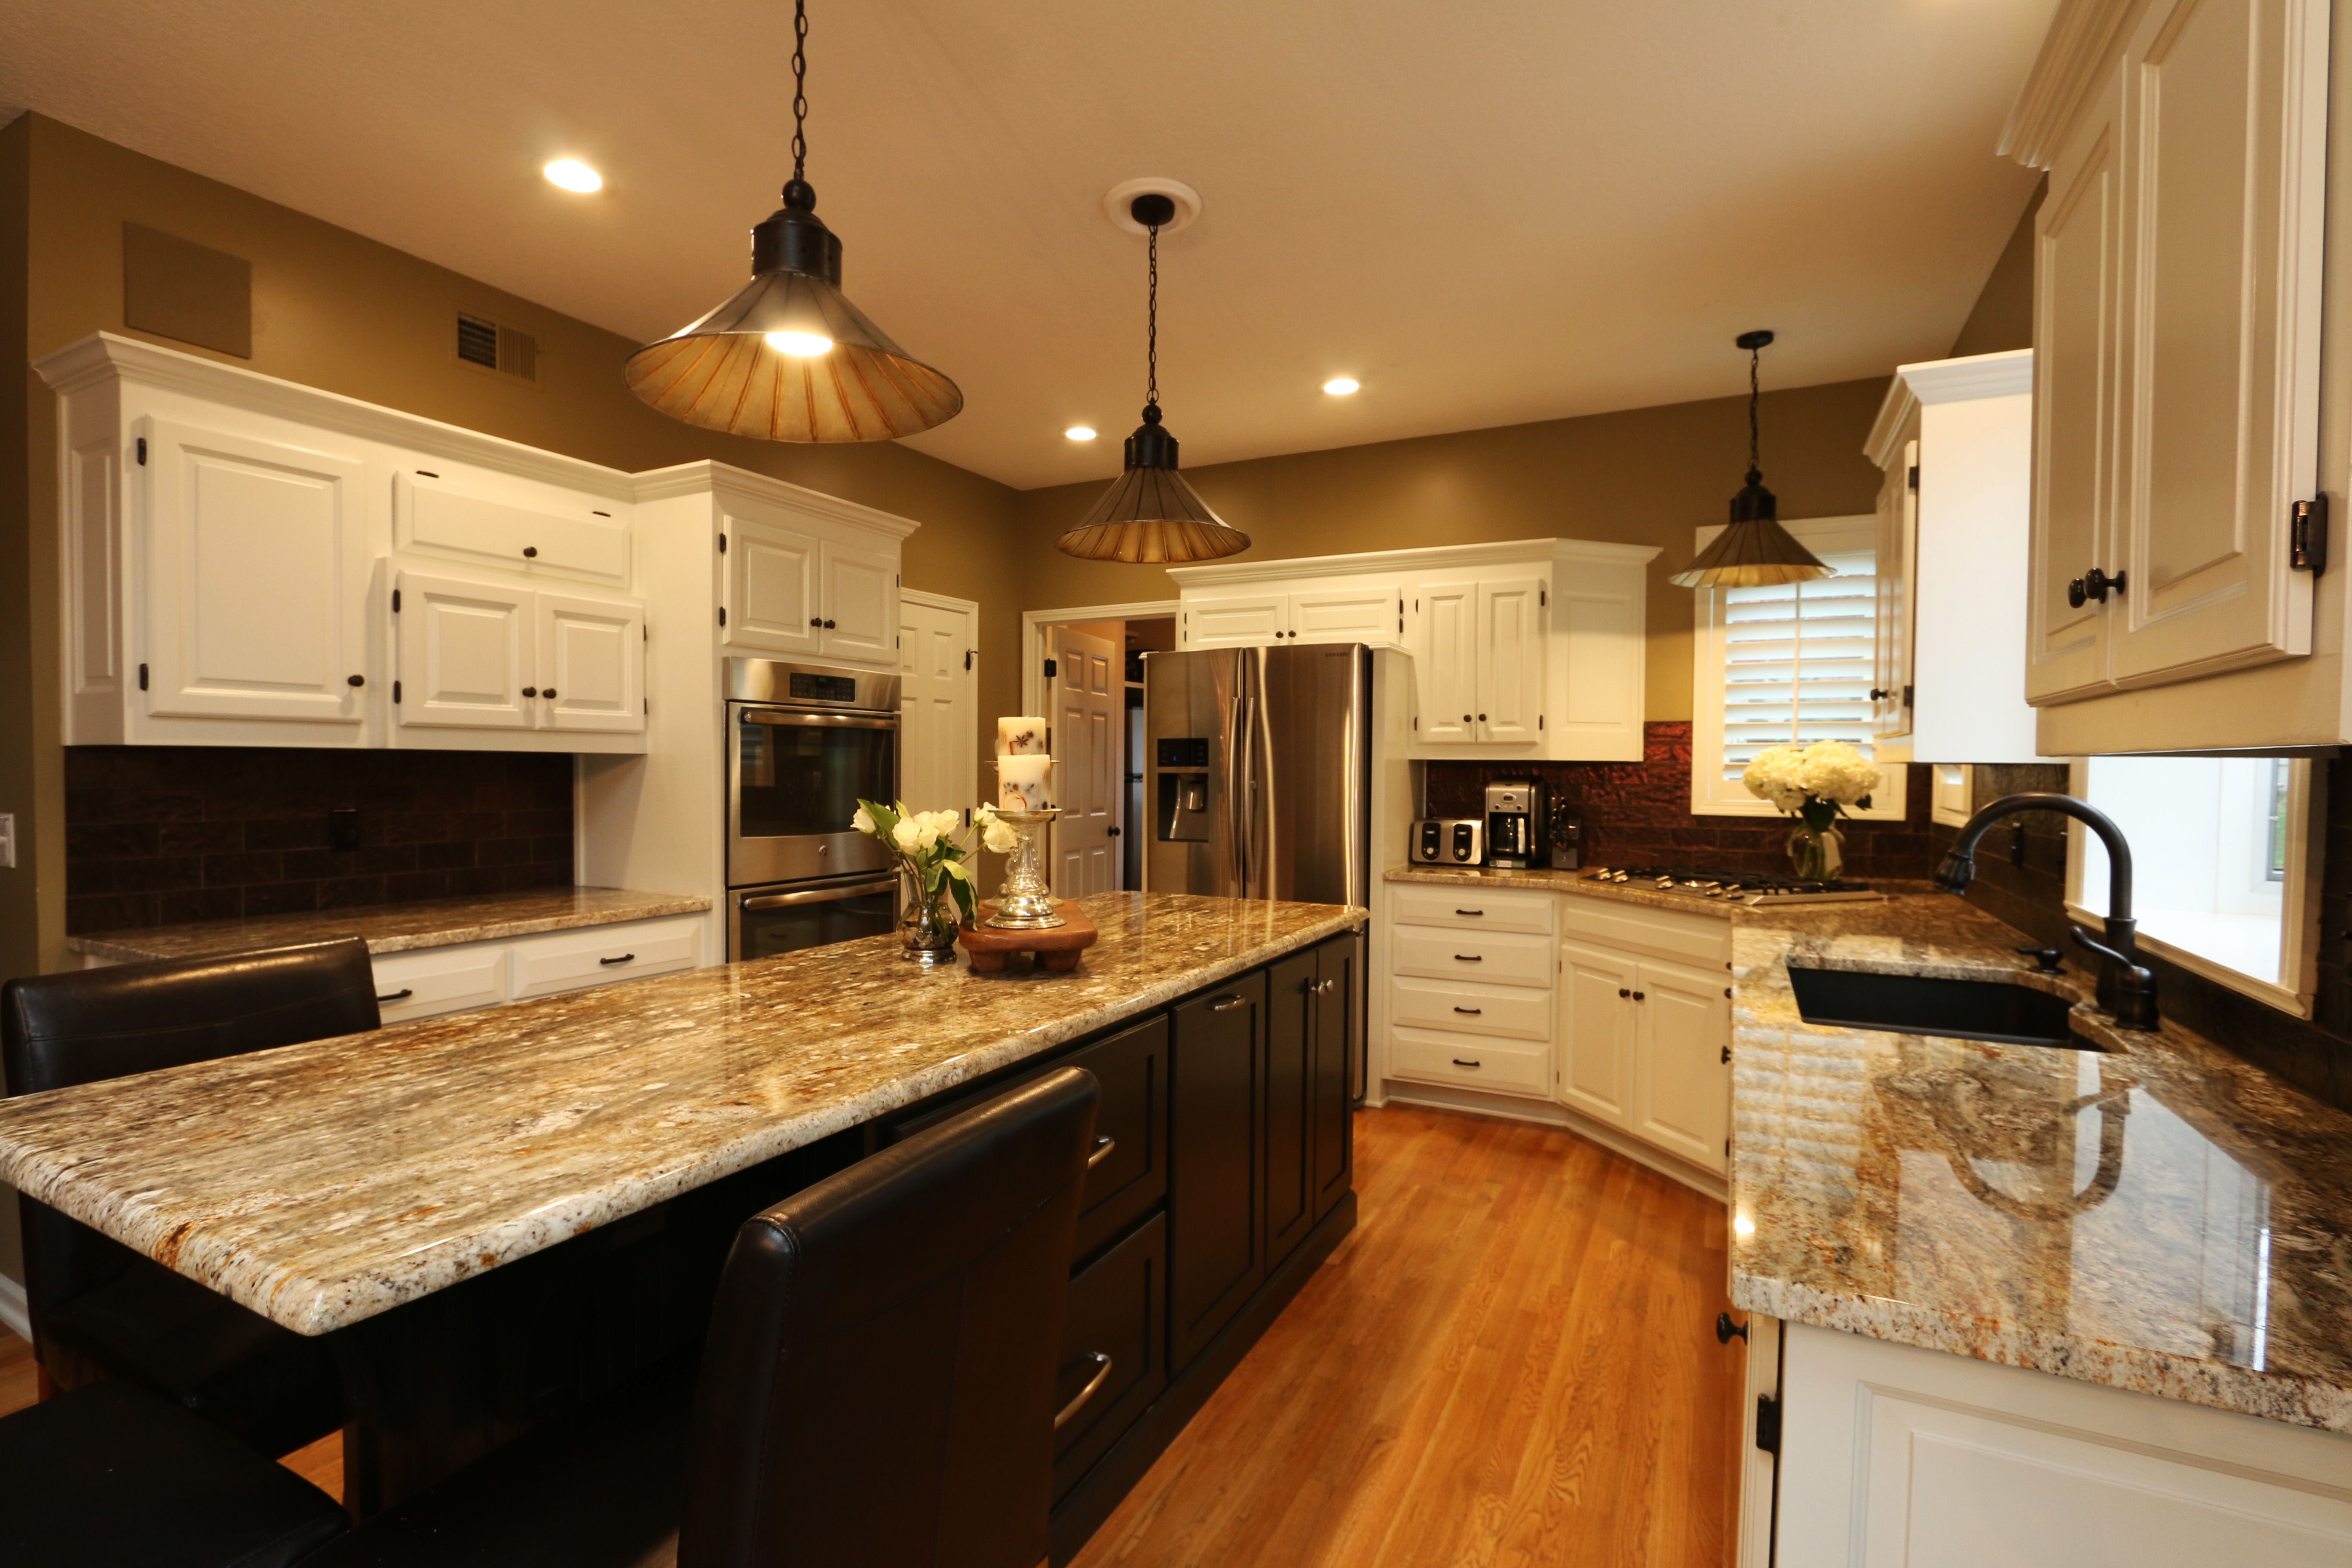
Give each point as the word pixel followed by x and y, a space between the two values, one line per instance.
pixel 2269 993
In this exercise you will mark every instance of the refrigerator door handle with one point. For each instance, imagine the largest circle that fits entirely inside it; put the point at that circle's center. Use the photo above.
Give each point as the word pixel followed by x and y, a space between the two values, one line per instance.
pixel 1237 772
pixel 1262 799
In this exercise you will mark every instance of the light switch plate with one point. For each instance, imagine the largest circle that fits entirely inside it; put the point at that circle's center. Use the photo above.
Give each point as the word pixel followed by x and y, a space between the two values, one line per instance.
pixel 7 840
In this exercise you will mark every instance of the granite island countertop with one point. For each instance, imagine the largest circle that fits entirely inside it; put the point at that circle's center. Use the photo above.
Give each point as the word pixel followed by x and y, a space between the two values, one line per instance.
pixel 394 928
pixel 2157 1216
pixel 323 1182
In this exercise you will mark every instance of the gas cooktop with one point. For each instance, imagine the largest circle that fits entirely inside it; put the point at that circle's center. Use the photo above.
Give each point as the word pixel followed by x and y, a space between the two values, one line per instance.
pixel 1753 890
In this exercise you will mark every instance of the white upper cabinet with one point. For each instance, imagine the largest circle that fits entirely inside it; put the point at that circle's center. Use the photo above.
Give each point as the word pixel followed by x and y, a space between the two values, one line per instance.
pixel 1529 650
pixel 464 653
pixel 492 519
pixel 771 586
pixel 860 603
pixel 800 575
pixel 257 577
pixel 2178 314
pixel 591 663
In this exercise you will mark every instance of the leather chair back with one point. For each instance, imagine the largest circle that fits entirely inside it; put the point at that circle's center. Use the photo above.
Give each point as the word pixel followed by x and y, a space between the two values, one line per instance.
pixel 83 1026
pixel 879 1384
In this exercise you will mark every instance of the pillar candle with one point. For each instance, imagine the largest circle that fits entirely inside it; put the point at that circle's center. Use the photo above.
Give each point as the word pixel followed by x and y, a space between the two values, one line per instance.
pixel 1023 737
pixel 1021 782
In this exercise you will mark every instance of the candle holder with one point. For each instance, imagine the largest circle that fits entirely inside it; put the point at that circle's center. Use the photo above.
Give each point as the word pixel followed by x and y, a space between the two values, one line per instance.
pixel 1027 901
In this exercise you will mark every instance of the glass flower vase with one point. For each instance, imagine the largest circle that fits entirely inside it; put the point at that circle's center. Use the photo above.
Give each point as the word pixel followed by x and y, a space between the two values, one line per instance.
pixel 1817 854
pixel 926 920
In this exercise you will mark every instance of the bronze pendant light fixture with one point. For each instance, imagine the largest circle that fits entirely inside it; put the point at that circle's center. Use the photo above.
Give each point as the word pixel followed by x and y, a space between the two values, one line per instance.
pixel 789 358
pixel 1755 550
pixel 1150 513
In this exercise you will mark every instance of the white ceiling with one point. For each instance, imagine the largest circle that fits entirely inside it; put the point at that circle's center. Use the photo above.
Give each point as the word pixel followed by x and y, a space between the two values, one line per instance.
pixel 1490 213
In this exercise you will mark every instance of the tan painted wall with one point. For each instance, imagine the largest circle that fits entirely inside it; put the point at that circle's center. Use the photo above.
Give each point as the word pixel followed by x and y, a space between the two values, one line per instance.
pixel 2002 317
pixel 1647 475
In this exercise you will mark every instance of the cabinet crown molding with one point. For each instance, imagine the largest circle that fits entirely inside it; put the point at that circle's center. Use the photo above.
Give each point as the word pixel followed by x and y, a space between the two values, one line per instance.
pixel 2082 39
pixel 1441 556
pixel 1895 412
pixel 2006 374
pixel 709 477
pixel 90 360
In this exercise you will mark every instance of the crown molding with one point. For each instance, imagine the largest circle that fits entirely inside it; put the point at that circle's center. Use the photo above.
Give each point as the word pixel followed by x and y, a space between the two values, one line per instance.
pixel 90 360
pixel 2074 54
pixel 1894 410
pixel 710 478
pixel 1966 379
pixel 1373 562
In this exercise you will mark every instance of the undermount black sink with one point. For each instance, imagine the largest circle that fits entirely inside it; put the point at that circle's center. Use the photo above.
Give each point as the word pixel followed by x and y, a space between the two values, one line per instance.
pixel 1996 1010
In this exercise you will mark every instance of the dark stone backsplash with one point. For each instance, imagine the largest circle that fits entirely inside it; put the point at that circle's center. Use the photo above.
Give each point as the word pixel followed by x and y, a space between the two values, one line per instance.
pixel 1638 814
pixel 159 834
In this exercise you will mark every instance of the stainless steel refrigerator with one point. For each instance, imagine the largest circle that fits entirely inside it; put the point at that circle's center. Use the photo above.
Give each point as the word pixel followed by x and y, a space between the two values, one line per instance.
pixel 1259 772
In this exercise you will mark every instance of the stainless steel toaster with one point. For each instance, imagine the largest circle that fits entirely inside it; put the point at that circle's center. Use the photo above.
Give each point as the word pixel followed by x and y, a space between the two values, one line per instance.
pixel 1449 841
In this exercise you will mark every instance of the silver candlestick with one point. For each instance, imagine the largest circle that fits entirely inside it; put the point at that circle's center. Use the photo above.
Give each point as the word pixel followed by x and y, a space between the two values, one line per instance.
pixel 1026 902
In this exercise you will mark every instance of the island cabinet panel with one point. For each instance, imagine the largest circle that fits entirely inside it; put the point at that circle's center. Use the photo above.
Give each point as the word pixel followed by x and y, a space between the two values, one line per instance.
pixel 1216 1178
pixel 1118 1307
pixel 1336 1029
pixel 1291 1000
pixel 1130 1176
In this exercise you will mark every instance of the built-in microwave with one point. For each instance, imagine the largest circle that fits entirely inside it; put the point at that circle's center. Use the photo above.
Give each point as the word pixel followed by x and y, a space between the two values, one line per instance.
pixel 804 745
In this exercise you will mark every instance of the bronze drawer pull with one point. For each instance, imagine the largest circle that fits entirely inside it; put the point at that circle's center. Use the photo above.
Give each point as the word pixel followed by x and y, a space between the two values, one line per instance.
pixel 625 958
pixel 402 995
pixel 1470 913
pixel 1460 1063
pixel 1228 1003
pixel 1102 1371
pixel 1474 1012
pixel 1469 958
pixel 1103 1146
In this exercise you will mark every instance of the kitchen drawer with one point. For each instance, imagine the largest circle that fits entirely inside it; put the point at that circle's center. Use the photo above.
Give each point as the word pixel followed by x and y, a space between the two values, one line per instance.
pixel 1491 958
pixel 1519 1012
pixel 1469 1062
pixel 519 526
pixel 1118 1306
pixel 1471 908
pixel 1703 937
pixel 575 960
pixel 427 981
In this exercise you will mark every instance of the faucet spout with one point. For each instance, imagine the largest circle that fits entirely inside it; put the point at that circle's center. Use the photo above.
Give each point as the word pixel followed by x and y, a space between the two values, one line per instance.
pixel 2127 988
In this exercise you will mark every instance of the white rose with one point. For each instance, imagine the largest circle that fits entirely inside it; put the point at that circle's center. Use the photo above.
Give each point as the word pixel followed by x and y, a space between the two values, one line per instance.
pixel 998 834
pixel 942 822
pixel 861 822
pixel 908 836
pixel 926 834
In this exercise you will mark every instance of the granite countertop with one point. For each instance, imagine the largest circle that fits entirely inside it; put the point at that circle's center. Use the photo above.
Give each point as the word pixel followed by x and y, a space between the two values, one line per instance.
pixel 321 1184
pixel 394 928
pixel 2158 1216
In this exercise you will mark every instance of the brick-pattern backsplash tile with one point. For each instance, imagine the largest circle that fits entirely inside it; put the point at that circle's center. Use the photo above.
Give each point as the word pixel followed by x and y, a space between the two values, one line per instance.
pixel 1638 814
pixel 159 834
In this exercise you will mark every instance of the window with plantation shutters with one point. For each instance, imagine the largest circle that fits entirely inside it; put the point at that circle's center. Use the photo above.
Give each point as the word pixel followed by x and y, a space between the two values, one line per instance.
pixel 1786 666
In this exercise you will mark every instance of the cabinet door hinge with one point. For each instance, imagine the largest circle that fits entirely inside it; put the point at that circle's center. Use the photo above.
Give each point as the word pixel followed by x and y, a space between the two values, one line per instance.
pixel 722 544
pixel 1538 720
pixel 1543 597
pixel 722 615
pixel 142 678
pixel 395 694
pixel 1053 669
pixel 1416 722
pixel 1912 478
pixel 143 451
pixel 2307 535
pixel 967 656
pixel 1768 1423
pixel 648 703
pixel 395 601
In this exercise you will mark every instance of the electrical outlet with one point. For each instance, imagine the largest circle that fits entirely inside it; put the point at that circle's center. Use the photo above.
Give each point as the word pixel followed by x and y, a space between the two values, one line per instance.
pixel 343 829
pixel 7 840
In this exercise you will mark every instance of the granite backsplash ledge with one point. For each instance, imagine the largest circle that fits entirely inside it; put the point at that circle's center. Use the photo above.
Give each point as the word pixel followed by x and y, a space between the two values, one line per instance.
pixel 1638 814
pixel 166 834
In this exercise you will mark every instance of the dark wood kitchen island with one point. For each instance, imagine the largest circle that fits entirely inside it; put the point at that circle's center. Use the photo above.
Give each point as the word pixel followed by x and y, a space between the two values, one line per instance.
pixel 495 1215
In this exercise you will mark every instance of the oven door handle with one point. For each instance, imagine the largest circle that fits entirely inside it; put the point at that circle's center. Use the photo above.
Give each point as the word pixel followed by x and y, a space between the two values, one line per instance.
pixel 834 721
pixel 750 902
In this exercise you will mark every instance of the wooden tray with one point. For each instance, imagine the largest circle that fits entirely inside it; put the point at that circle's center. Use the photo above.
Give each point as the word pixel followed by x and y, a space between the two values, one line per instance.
pixel 1057 950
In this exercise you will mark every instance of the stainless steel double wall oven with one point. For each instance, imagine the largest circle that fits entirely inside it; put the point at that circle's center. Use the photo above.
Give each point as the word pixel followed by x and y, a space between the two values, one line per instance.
pixel 805 744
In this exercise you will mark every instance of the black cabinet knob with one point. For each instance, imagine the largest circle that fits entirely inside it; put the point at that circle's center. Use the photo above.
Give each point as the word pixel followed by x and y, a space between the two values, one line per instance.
pixel 1724 1329
pixel 2076 594
pixel 357 681
pixel 1625 991
pixel 816 620
pixel 530 691
pixel 530 551
pixel 828 626
pixel 1879 694
pixel 1482 718
pixel 548 694
pixel 1466 718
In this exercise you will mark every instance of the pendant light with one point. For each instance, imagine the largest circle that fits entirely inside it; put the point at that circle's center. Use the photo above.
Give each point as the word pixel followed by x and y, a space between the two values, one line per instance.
pixel 1755 550
pixel 789 358
pixel 1150 513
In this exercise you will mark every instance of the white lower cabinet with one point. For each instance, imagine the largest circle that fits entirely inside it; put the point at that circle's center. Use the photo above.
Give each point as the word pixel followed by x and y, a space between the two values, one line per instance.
pixel 1891 1454
pixel 1596 1033
pixel 1470 988
pixel 424 981
pixel 433 979
pixel 1681 1061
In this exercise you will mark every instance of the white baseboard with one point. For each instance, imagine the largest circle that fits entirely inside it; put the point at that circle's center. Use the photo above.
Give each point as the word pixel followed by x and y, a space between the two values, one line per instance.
pixel 1551 1114
pixel 12 1308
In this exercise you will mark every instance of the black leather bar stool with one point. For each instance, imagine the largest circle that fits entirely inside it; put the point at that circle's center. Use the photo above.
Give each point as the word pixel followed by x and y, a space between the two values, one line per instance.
pixel 114 1475
pixel 100 1310
pixel 877 1390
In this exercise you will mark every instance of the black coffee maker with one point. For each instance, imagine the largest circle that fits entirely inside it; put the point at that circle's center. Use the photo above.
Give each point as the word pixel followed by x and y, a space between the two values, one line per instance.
pixel 1514 825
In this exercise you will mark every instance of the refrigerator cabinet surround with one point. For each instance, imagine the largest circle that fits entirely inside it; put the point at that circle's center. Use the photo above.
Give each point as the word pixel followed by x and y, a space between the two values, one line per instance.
pixel 1260 762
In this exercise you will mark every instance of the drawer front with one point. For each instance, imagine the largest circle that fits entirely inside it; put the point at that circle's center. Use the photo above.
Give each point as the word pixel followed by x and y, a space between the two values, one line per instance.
pixel 1117 1307
pixel 1519 1013
pixel 1490 958
pixel 1469 1062
pixel 1467 908
pixel 522 527
pixel 575 960
pixel 1704 939
pixel 420 984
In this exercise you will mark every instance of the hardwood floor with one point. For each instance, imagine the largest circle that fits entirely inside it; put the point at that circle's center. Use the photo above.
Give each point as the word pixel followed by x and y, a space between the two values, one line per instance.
pixel 1511 1361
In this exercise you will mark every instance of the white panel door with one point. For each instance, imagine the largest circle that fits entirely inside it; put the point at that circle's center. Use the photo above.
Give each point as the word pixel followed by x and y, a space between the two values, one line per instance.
pixel 1445 665
pixel 860 603
pixel 256 578
pixel 467 655
pixel 1089 706
pixel 2225 155
pixel 591 663
pixel 1374 615
pixel 771 588
pixel 938 704
pixel 1596 1033
pixel 1241 620
pixel 2077 282
pixel 1682 1078
pixel 1510 661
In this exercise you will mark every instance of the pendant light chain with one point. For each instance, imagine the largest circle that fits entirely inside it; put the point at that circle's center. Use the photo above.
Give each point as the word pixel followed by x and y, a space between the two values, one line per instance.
pixel 800 87
pixel 1755 463
pixel 1151 331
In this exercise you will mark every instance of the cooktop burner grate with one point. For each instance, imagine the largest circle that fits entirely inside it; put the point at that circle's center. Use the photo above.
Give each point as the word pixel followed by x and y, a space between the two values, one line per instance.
pixel 1752 888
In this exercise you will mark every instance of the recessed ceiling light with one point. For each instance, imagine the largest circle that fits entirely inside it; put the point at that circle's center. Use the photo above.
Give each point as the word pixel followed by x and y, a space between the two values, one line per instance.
pixel 799 345
pixel 1080 432
pixel 1340 385
pixel 574 176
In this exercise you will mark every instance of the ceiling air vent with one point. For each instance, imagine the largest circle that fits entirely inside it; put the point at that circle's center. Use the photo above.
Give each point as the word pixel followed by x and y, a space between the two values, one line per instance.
pixel 507 350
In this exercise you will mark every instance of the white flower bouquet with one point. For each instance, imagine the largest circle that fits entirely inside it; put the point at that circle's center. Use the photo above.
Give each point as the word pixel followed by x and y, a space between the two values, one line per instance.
pixel 924 844
pixel 1816 784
